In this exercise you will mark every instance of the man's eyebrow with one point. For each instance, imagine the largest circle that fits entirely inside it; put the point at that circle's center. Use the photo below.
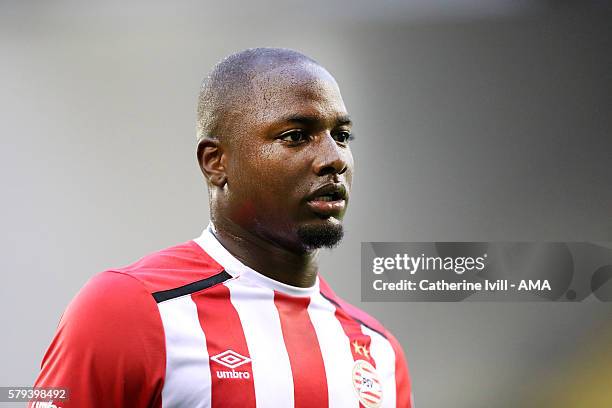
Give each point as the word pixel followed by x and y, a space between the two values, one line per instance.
pixel 310 120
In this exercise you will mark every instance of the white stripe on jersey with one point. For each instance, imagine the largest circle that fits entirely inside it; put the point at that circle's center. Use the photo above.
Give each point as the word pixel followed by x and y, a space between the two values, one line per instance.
pixel 187 382
pixel 262 330
pixel 384 356
pixel 336 351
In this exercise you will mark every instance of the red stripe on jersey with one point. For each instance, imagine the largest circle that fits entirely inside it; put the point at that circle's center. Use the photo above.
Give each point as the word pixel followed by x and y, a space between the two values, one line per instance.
pixel 359 342
pixel 309 378
pixel 403 386
pixel 232 380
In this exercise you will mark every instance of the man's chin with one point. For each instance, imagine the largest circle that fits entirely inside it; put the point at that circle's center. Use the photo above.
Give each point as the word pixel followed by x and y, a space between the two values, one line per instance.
pixel 320 235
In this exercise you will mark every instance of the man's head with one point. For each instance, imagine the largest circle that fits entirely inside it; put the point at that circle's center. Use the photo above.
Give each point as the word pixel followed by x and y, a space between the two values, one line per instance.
pixel 273 137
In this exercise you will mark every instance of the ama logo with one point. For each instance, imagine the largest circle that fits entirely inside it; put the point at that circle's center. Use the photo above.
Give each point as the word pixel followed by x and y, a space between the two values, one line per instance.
pixel 542 284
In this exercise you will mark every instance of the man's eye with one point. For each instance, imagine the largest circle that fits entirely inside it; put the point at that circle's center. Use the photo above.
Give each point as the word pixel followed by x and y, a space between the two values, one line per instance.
pixel 344 137
pixel 295 136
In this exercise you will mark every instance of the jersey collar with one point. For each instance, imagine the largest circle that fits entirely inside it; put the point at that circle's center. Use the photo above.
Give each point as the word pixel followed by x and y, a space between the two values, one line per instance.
pixel 232 265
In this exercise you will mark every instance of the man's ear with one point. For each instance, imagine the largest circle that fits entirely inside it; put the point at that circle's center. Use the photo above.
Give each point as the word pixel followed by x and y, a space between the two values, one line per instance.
pixel 212 161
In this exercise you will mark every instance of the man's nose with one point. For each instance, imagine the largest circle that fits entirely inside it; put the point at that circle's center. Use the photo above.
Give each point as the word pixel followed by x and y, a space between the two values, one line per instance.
pixel 330 158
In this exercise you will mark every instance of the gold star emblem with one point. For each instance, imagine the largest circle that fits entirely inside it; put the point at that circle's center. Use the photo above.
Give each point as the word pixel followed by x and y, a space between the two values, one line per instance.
pixel 361 349
pixel 357 347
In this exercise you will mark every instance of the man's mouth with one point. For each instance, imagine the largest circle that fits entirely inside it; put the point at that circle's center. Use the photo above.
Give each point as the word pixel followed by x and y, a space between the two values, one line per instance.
pixel 329 197
pixel 328 200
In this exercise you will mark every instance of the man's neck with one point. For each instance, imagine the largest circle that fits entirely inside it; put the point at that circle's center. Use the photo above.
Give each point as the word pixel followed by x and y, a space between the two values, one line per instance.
pixel 273 261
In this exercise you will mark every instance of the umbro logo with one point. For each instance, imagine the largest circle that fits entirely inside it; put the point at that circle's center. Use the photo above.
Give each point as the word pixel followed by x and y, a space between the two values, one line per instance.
pixel 231 359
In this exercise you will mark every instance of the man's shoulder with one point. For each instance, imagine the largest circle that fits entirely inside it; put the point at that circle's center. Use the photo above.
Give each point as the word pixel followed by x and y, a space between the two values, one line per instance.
pixel 123 300
pixel 170 268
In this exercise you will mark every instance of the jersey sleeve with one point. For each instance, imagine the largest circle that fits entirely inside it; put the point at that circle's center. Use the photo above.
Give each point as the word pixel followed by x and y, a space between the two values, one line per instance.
pixel 403 385
pixel 109 348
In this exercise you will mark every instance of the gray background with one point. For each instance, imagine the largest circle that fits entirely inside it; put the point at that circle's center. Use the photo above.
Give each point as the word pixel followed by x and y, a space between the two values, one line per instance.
pixel 475 121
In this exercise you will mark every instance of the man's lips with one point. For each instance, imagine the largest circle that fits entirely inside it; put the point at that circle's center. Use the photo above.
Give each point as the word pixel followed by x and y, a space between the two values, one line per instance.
pixel 327 208
pixel 328 200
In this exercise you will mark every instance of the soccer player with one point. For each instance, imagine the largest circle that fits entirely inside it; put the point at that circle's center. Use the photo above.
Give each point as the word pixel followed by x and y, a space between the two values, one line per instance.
pixel 240 317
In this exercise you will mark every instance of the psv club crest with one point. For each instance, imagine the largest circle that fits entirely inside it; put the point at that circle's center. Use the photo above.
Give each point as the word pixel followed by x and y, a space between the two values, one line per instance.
pixel 367 384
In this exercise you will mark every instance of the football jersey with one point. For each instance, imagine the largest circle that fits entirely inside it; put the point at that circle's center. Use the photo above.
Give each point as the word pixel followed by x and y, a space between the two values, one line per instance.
pixel 192 326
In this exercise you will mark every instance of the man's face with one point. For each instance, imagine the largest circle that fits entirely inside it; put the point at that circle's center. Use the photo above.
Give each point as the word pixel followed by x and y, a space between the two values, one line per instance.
pixel 290 166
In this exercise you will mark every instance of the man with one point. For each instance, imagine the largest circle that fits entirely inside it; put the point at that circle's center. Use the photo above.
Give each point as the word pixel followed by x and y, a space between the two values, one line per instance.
pixel 240 316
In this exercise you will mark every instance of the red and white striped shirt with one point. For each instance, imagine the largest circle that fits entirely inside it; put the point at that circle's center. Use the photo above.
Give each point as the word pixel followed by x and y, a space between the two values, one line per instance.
pixel 191 326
